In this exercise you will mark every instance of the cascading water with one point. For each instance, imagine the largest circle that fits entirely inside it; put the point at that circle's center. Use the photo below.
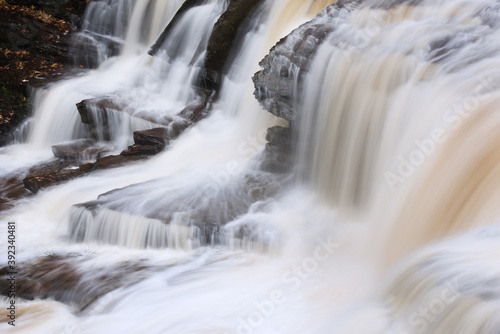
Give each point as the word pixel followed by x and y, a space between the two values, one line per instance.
pixel 397 150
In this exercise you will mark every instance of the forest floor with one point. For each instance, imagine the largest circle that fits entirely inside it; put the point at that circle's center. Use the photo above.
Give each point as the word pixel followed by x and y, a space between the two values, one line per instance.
pixel 34 49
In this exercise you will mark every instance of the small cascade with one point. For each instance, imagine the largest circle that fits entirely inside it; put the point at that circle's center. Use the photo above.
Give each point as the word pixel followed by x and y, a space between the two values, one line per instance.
pixel 103 31
pixel 145 90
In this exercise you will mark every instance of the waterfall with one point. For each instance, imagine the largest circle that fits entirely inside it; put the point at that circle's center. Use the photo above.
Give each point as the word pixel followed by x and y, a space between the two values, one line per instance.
pixel 385 222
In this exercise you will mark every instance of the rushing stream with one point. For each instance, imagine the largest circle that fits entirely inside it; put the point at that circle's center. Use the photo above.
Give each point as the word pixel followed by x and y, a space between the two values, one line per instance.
pixel 385 224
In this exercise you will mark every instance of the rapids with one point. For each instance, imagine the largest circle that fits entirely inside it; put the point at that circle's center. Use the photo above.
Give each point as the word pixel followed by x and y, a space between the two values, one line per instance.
pixel 388 222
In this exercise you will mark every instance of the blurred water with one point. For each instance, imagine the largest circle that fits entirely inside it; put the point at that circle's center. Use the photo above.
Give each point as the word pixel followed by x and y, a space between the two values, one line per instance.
pixel 388 226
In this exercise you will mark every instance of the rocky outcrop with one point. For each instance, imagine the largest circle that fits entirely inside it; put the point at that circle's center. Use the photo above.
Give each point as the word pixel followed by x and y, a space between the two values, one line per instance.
pixel 99 114
pixel 81 150
pixel 283 69
pixel 282 77
pixel 225 36
pixel 187 5
pixel 277 156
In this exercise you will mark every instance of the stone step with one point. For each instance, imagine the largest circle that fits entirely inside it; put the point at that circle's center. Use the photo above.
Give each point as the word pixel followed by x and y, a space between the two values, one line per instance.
pixel 61 171
pixel 138 150
pixel 158 137
pixel 81 150
pixel 188 213
pixel 106 115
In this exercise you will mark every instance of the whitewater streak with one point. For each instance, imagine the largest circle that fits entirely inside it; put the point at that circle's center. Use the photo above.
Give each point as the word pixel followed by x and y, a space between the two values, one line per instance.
pixel 388 228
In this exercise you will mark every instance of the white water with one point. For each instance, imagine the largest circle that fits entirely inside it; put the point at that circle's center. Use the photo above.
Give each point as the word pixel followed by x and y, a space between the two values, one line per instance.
pixel 329 255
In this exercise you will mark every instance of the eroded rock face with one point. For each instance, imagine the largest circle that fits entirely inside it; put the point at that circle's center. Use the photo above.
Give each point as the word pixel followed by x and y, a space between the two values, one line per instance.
pixel 224 38
pixel 283 69
pixel 279 83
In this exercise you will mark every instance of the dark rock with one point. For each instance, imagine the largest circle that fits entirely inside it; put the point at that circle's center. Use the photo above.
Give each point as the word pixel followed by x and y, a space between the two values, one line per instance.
pixel 33 45
pixel 86 49
pixel 195 112
pixel 140 150
pixel 99 113
pixel 157 137
pixel 225 36
pixel 276 160
pixel 280 137
pixel 114 161
pixel 86 109
pixel 187 5
pixel 38 182
pixel 14 109
pixel 59 171
pixel 68 10
pixel 12 189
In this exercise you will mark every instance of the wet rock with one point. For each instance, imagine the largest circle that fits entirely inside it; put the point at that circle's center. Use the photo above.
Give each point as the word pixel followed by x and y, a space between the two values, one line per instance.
pixel 61 171
pixel 278 154
pixel 187 5
pixel 200 210
pixel 87 108
pixel 140 150
pixel 113 161
pixel 225 36
pixel 280 137
pixel 14 109
pixel 60 277
pixel 105 114
pixel 282 76
pixel 276 160
pixel 81 150
pixel 12 189
pixel 197 111
pixel 35 183
pixel 157 137
pixel 86 50
pixel 284 67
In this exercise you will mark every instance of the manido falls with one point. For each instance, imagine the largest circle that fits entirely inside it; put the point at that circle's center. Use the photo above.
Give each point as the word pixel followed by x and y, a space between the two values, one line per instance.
pixel 260 166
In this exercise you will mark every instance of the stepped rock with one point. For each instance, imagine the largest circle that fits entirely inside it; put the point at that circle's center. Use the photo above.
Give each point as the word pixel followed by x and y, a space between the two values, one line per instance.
pixel 283 69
